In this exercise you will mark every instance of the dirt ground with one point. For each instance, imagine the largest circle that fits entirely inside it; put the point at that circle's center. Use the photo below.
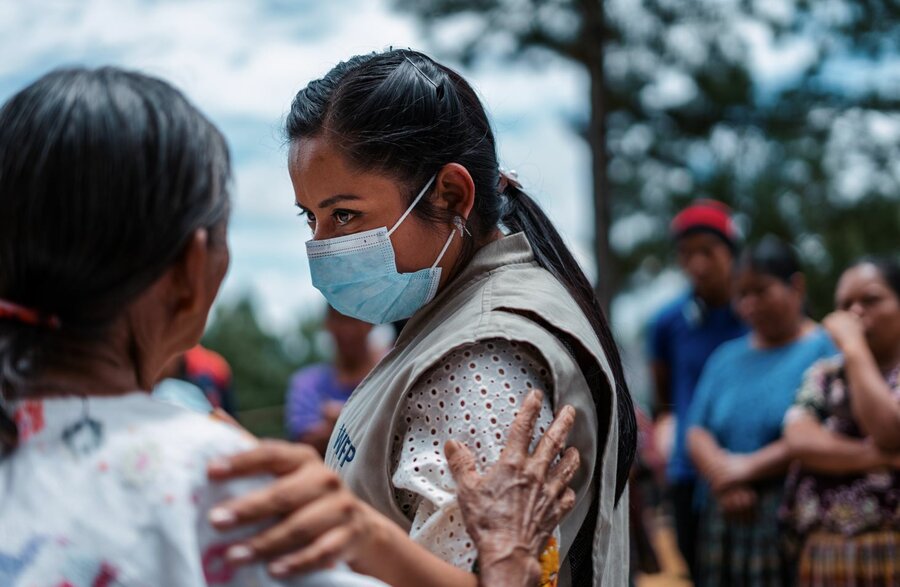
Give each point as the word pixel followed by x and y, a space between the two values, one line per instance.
pixel 673 568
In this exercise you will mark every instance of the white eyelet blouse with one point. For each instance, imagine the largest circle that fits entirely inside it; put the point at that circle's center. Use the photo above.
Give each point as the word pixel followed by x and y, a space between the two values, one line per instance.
pixel 472 396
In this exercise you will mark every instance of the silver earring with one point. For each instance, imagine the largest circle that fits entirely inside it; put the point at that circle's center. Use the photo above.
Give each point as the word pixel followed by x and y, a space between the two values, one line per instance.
pixel 461 226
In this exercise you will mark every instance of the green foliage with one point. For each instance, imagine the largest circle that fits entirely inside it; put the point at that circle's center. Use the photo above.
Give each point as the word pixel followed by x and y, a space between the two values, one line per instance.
pixel 261 362
pixel 811 157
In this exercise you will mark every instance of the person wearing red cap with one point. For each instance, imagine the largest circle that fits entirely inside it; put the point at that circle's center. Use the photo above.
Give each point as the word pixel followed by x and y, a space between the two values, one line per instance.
pixel 683 336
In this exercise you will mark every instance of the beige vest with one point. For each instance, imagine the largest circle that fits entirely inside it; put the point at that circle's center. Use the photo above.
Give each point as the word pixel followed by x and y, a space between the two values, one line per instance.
pixel 502 293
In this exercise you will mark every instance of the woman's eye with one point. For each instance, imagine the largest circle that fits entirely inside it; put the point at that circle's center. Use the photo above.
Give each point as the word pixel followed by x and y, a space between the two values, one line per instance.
pixel 869 301
pixel 342 217
pixel 310 217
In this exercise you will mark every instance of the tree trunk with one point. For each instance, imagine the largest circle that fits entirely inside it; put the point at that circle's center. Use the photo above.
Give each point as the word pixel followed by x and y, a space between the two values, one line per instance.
pixel 592 41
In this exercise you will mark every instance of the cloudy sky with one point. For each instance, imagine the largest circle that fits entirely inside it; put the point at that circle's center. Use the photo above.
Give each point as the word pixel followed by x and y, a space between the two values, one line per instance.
pixel 242 62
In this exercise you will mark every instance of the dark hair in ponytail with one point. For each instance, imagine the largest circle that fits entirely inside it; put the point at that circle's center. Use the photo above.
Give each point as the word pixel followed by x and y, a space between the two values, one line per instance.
pixel 402 114
pixel 524 215
pixel 104 176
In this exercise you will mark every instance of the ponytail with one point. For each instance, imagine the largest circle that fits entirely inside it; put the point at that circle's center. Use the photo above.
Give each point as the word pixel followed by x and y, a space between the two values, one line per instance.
pixel 15 362
pixel 9 432
pixel 522 214
pixel 23 332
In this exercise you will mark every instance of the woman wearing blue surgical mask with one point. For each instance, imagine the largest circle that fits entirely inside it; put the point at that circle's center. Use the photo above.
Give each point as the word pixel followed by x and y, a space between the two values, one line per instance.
pixel 394 168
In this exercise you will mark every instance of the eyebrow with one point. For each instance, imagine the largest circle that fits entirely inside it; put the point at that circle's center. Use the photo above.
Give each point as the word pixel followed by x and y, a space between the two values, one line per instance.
pixel 328 202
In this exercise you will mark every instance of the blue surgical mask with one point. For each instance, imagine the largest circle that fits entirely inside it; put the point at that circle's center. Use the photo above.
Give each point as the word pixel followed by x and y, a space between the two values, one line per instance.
pixel 358 274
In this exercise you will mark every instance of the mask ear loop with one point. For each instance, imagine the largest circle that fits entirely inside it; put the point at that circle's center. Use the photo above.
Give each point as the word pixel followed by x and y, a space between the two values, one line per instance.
pixel 413 205
pixel 444 250
pixel 409 211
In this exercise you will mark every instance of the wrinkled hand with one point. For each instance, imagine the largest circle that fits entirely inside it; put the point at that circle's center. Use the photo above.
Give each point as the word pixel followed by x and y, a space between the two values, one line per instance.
pixel 846 330
pixel 320 521
pixel 511 509
pixel 731 470
pixel 738 503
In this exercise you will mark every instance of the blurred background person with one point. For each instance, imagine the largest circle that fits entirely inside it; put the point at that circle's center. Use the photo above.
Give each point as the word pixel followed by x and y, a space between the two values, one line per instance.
pixel 735 423
pixel 647 478
pixel 841 500
pixel 683 336
pixel 317 393
pixel 205 369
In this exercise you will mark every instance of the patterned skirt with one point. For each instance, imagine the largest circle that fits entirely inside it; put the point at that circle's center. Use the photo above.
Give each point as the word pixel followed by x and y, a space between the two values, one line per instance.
pixel 738 554
pixel 867 560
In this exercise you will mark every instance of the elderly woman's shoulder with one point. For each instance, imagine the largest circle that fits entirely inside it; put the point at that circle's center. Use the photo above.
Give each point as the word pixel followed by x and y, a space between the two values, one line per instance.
pixel 191 436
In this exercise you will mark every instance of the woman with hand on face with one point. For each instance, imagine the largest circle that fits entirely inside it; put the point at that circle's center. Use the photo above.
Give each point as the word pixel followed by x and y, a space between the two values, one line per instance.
pixel 395 169
pixel 842 498
pixel 735 422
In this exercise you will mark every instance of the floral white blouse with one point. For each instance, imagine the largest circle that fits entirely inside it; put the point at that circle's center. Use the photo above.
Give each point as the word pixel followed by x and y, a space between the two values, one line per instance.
pixel 110 491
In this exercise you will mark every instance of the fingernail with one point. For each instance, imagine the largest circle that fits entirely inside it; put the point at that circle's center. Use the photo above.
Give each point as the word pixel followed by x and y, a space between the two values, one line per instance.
pixel 239 553
pixel 218 465
pixel 221 516
pixel 278 568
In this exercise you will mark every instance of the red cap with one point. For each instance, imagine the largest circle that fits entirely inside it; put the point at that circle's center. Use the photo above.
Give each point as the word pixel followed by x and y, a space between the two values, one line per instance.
pixel 706 216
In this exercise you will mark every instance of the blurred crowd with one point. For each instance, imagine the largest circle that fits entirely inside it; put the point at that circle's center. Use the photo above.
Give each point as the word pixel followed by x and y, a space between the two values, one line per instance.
pixel 778 435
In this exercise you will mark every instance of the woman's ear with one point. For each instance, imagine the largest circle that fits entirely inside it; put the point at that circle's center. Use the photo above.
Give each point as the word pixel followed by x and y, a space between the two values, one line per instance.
pixel 189 275
pixel 454 190
pixel 169 316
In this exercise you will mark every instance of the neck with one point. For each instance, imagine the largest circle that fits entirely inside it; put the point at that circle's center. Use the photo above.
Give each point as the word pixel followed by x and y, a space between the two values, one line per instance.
pixel 461 256
pixel 888 360
pixel 353 364
pixel 797 330
pixel 716 298
pixel 105 368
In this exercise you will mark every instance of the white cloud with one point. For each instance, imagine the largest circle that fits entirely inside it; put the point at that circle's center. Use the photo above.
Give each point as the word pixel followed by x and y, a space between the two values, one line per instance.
pixel 671 88
pixel 233 57
pixel 243 61
pixel 774 63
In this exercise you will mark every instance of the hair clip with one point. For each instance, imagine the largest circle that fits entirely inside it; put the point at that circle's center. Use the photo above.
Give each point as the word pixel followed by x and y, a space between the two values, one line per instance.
pixel 508 177
pixel 431 81
pixel 12 311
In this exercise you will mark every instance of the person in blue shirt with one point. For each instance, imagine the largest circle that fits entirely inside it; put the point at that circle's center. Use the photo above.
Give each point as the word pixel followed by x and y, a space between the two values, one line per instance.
pixel 316 393
pixel 735 421
pixel 683 336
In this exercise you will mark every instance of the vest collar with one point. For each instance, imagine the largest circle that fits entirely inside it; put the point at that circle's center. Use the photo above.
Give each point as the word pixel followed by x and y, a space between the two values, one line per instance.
pixel 509 250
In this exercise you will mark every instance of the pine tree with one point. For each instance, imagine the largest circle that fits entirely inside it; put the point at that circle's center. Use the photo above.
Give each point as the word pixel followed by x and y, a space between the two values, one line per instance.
pixel 678 110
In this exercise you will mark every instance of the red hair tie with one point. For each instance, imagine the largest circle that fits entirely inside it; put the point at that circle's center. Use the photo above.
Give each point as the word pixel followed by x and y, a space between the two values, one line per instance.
pixel 11 311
